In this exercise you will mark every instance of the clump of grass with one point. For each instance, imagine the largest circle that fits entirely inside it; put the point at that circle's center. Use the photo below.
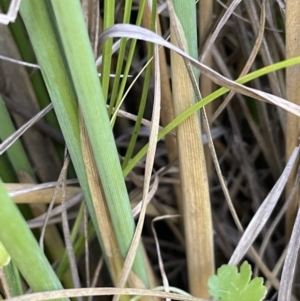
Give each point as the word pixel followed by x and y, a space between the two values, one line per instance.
pixel 238 177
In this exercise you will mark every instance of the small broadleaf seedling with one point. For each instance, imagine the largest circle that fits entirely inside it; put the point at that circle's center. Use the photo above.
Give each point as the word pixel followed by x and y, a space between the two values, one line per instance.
pixel 230 285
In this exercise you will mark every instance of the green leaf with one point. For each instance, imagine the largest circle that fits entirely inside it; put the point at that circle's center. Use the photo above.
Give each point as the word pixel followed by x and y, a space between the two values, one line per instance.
pixel 4 256
pixel 229 285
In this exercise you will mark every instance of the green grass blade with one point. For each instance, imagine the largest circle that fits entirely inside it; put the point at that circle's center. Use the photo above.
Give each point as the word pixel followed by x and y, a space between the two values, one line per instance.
pixel 13 279
pixel 118 88
pixel 23 247
pixel 78 54
pixel 16 152
pixel 108 20
pixel 98 126
pixel 7 173
pixel 43 39
pixel 141 110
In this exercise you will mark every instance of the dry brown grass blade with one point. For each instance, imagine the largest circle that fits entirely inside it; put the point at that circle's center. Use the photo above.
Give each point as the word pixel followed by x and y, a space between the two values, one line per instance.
pixel 152 210
pixel 91 12
pixel 267 273
pixel 42 196
pixel 277 269
pixel 205 17
pixel 160 260
pixel 19 90
pixel 249 61
pixel 54 216
pixel 264 212
pixel 126 272
pixel 113 255
pixel 18 133
pixel 65 225
pixel 132 31
pixel 268 56
pixel 289 267
pixel 167 111
pixel 266 52
pixel 148 172
pixel 275 222
pixel 194 182
pixel 258 132
pixel 44 127
pixel 293 94
pixel 106 291
pixel 239 149
pixel 210 42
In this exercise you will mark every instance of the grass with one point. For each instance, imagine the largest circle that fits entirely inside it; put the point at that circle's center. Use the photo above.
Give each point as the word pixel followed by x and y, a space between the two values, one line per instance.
pixel 228 191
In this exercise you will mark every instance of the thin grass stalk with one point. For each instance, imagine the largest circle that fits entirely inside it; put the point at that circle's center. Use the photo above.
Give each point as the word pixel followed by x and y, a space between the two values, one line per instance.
pixel 108 20
pixel 64 260
pixel 141 110
pixel 290 263
pixel 196 201
pixel 292 122
pixel 78 249
pixel 121 55
pixel 262 108
pixel 118 94
pixel 293 94
pixel 205 17
pixel 167 111
pixel 113 255
pixel 147 192
pixel 119 87
pixel 93 21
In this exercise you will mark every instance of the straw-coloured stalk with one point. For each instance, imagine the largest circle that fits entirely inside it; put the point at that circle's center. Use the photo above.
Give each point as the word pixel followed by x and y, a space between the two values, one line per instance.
pixel 196 202
pixel 292 121
pixel 292 94
pixel 167 111
pixel 113 255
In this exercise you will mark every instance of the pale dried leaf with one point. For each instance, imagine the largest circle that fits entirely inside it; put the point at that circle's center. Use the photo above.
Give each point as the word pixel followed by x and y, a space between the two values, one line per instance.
pixel 263 213
pixel 135 32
